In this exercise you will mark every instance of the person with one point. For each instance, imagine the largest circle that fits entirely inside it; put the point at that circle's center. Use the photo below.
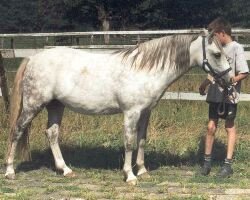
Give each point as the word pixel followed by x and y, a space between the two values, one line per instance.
pixel 222 102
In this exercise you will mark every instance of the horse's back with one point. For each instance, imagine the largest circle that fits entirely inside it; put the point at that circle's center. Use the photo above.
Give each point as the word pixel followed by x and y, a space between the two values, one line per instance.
pixel 83 81
pixel 90 83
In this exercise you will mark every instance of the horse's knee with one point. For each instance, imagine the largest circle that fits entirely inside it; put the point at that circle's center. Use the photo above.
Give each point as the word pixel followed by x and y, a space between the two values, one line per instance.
pixel 130 142
pixel 16 136
pixel 52 133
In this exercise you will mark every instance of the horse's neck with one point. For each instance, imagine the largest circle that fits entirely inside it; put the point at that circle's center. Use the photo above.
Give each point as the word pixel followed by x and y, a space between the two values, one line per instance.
pixel 195 52
pixel 174 75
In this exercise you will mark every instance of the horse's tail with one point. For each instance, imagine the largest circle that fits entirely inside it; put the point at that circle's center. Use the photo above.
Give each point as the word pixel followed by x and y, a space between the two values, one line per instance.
pixel 15 111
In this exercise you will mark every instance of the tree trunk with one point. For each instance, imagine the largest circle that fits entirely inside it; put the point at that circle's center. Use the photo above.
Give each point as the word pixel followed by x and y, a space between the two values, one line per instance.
pixel 103 17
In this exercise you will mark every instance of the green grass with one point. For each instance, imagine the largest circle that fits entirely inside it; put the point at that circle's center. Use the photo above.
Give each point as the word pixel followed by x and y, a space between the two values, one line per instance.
pixel 176 128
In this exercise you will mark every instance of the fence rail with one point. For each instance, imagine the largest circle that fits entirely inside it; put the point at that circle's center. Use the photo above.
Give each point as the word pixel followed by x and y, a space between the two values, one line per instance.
pixel 17 44
pixel 156 32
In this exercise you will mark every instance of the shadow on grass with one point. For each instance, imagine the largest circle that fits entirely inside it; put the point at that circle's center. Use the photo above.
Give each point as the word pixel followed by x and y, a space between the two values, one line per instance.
pixel 218 154
pixel 113 158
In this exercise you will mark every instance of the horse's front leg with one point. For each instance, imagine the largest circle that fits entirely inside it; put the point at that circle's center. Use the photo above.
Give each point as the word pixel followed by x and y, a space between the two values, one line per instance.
pixel 141 140
pixel 131 119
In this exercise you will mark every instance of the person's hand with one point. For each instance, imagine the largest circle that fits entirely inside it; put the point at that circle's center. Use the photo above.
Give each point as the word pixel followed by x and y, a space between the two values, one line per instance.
pixel 233 80
pixel 202 89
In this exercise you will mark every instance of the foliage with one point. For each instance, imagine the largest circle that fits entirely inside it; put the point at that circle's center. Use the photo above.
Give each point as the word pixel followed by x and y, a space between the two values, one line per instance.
pixel 83 15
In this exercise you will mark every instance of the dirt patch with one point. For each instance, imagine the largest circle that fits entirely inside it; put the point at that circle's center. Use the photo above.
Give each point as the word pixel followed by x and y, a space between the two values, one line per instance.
pixel 44 183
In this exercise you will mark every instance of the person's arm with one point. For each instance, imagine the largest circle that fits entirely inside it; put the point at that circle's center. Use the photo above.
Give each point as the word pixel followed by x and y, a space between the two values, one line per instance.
pixel 241 65
pixel 239 77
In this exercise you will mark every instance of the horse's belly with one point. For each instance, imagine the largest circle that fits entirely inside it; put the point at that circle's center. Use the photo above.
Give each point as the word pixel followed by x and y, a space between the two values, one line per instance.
pixel 91 107
pixel 89 111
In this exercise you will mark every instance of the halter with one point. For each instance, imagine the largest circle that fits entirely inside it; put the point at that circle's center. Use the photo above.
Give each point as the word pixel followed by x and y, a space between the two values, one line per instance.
pixel 206 63
pixel 217 77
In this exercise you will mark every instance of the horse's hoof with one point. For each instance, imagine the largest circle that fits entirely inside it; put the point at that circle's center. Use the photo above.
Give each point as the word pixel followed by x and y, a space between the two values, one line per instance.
pixel 11 176
pixel 145 175
pixel 70 175
pixel 132 182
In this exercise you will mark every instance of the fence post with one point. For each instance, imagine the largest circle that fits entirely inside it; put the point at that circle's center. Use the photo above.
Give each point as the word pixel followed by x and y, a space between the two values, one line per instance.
pixel 12 45
pixel 2 43
pixel 47 41
pixel 4 85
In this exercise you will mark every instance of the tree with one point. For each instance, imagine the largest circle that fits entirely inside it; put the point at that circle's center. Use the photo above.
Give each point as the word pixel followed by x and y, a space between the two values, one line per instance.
pixel 87 15
pixel 17 15
pixel 238 12
pixel 51 15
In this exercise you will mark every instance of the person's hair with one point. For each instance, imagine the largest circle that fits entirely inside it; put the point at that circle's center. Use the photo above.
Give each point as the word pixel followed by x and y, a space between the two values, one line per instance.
pixel 219 25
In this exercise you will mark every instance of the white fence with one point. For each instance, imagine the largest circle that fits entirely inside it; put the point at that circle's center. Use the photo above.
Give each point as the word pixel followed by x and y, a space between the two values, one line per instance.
pixel 137 35
pixel 155 32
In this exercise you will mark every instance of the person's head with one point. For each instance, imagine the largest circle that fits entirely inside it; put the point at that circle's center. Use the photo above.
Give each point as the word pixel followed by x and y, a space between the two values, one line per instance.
pixel 222 29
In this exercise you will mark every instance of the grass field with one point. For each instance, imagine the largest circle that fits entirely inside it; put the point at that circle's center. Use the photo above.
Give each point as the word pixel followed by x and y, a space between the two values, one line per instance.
pixel 93 147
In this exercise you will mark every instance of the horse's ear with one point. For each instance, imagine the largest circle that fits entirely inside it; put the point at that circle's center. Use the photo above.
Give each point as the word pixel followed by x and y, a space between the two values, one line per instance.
pixel 204 32
pixel 208 35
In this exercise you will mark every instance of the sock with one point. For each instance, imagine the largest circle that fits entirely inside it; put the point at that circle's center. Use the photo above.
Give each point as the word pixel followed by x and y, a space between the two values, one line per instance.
pixel 207 158
pixel 228 161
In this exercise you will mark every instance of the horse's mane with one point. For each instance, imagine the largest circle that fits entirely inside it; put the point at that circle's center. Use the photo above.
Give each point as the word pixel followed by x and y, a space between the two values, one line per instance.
pixel 168 51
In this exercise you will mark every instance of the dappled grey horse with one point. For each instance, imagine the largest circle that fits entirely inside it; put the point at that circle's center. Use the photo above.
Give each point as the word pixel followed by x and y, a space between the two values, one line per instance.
pixel 130 81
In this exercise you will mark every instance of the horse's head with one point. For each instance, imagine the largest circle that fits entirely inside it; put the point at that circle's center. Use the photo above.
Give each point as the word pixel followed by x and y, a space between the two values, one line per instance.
pixel 207 52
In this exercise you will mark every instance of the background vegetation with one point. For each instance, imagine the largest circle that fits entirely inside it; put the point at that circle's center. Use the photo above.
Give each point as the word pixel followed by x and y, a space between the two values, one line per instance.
pixel 86 15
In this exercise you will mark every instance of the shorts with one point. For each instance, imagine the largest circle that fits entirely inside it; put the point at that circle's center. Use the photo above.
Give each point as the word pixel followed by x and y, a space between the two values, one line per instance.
pixel 229 114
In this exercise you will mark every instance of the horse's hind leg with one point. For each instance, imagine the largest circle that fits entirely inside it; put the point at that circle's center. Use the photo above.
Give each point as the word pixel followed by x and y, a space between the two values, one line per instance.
pixel 55 113
pixel 141 139
pixel 21 126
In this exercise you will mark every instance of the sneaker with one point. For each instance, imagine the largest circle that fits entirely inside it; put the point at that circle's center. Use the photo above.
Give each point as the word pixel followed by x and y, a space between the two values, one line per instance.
pixel 225 172
pixel 206 168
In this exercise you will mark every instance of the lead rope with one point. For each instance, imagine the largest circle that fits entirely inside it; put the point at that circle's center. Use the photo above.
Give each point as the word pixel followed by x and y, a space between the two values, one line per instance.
pixel 222 105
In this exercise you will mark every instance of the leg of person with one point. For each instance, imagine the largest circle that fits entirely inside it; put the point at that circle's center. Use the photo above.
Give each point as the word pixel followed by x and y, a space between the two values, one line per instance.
pixel 226 169
pixel 209 139
pixel 231 134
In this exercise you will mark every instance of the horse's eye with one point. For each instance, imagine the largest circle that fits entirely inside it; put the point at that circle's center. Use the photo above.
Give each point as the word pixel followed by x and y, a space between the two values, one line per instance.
pixel 217 55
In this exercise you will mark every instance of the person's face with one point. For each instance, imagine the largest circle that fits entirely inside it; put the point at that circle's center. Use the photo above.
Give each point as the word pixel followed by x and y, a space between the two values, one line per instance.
pixel 221 37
